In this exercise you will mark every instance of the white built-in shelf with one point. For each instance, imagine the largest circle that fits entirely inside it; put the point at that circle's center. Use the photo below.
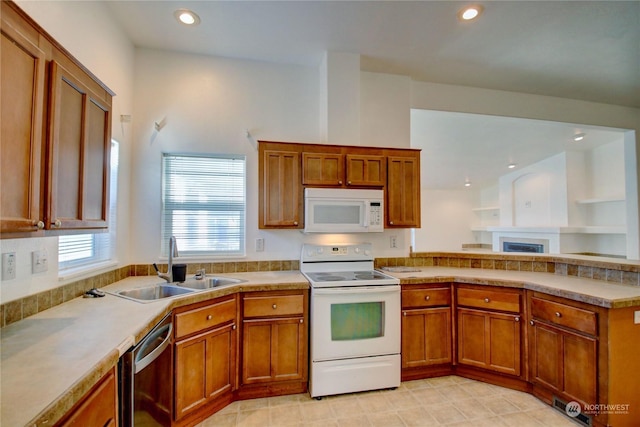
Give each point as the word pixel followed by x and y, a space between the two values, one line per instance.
pixel 601 200
pixel 486 209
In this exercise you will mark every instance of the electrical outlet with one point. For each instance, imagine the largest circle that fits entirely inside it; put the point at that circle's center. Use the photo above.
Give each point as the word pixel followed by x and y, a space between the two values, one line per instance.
pixel 259 244
pixel 39 262
pixel 8 265
pixel 636 317
pixel 393 242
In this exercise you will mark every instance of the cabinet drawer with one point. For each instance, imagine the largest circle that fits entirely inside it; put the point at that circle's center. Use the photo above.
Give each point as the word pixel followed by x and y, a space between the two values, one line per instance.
pixel 426 297
pixel 206 317
pixel 491 299
pixel 565 315
pixel 275 305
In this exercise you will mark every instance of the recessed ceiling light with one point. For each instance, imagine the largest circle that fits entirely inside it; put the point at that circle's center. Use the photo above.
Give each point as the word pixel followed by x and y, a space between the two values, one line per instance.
pixel 511 165
pixel 187 17
pixel 578 137
pixel 467 183
pixel 469 13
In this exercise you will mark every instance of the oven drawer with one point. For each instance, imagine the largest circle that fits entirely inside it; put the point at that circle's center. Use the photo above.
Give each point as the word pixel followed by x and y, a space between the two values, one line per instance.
pixel 489 299
pixel 413 298
pixel 564 315
pixel 272 306
pixel 199 319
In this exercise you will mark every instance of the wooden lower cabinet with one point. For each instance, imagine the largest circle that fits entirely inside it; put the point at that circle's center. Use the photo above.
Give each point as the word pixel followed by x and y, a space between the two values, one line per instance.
pixel 426 330
pixel 274 343
pixel 489 340
pixel 204 358
pixel 99 407
pixel 204 368
pixel 564 362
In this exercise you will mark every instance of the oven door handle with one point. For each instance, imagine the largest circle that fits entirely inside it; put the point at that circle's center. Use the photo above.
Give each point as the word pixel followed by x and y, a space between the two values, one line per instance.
pixel 357 290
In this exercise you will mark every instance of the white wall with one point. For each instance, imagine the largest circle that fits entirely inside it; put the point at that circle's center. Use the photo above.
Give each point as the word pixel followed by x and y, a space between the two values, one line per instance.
pixel 446 220
pixel 88 32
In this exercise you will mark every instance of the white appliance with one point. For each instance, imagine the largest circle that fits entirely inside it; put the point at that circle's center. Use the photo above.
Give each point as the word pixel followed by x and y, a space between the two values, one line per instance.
pixel 341 210
pixel 355 320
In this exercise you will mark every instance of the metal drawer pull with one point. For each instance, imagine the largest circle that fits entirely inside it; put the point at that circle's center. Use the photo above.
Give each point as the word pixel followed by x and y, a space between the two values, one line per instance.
pixel 531 322
pixel 274 306
pixel 427 298
pixel 486 300
pixel 301 320
pixel 404 313
pixel 558 314
pixel 209 317
pixel 517 318
pixel 233 326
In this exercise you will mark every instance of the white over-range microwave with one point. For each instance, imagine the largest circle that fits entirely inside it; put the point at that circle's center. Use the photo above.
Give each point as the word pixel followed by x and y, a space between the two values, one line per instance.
pixel 341 210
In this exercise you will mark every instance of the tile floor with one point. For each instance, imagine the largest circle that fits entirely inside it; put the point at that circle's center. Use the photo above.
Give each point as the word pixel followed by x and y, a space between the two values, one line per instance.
pixel 450 401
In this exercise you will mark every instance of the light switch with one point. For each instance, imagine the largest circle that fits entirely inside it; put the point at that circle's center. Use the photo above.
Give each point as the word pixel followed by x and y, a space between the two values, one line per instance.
pixel 636 317
pixel 39 262
pixel 259 244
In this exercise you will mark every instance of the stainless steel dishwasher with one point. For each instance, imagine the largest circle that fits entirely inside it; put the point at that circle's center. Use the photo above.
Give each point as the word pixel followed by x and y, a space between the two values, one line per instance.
pixel 146 379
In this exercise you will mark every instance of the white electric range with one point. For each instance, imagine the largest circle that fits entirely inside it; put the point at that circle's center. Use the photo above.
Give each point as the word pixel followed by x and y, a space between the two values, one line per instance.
pixel 355 320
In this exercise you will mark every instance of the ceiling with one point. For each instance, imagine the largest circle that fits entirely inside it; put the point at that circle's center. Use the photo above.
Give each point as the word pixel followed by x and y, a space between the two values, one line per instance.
pixel 586 50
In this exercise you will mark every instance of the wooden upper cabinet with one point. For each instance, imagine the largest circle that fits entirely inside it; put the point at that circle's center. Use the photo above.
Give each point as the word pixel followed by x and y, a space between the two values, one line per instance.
pixel 403 191
pixel 280 188
pixel 22 91
pixel 366 171
pixel 56 134
pixel 322 169
pixel 79 147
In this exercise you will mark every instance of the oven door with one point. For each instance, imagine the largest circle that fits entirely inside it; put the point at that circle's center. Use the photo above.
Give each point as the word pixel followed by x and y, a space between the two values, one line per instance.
pixel 350 322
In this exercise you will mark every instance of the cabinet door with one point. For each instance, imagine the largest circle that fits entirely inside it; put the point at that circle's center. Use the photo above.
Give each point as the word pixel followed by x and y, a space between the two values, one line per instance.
pixel 21 114
pixel 564 362
pixel 489 340
pixel 325 169
pixel 281 190
pixel 79 147
pixel 204 368
pixel 98 407
pixel 273 350
pixel 403 192
pixel 426 337
pixel 366 171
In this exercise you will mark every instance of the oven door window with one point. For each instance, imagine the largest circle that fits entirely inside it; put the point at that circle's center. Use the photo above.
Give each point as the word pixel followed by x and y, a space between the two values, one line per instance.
pixel 357 321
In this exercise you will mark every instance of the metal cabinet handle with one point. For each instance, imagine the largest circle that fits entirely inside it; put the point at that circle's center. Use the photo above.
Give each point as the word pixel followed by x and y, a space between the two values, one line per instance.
pixel 209 317
pixel 274 306
pixel 295 222
pixel 487 300
pixel 427 298
pixel 38 224
pixel 233 326
pixel 57 223
pixel 390 222
pixel 340 182
pixel 558 314
pixel 531 322
pixel 517 318
pixel 404 313
pixel 301 320
pixel 348 182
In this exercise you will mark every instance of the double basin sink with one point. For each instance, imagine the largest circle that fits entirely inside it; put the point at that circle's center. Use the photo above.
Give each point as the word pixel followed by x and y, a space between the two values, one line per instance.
pixel 169 290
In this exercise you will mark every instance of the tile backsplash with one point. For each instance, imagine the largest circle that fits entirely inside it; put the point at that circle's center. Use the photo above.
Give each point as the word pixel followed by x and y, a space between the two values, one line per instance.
pixel 607 271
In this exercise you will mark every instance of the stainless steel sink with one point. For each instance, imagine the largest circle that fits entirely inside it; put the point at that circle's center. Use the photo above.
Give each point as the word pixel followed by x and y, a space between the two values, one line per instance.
pixel 210 282
pixel 153 293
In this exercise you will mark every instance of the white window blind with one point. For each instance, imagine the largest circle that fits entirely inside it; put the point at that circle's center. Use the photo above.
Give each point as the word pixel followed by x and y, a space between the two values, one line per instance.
pixel 85 250
pixel 203 204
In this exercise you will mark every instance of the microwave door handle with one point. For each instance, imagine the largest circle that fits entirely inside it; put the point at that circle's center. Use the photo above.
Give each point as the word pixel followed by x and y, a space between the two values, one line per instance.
pixel 367 212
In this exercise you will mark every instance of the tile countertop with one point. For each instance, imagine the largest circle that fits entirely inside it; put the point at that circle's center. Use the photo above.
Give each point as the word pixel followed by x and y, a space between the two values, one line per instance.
pixel 49 360
pixel 596 292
